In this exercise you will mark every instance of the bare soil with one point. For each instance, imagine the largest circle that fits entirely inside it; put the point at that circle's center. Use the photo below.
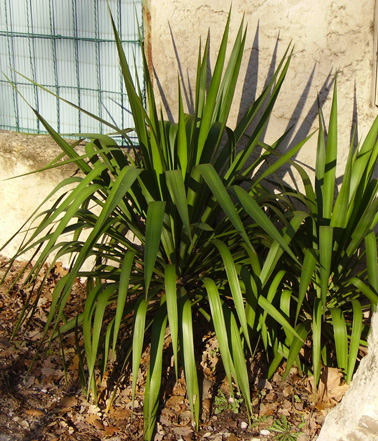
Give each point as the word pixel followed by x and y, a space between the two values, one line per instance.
pixel 43 401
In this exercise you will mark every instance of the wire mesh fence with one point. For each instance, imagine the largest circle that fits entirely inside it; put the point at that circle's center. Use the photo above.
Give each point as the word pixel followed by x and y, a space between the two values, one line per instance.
pixel 67 46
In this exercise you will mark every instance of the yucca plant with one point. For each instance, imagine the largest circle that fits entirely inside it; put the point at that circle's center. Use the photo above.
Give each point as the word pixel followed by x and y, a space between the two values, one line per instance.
pixel 172 234
pixel 337 246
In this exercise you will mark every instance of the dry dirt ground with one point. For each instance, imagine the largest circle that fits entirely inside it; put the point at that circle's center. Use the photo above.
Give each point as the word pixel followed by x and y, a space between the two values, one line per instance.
pixel 40 401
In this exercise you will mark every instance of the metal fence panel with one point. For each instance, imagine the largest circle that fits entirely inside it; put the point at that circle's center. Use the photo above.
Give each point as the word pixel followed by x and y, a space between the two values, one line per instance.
pixel 68 47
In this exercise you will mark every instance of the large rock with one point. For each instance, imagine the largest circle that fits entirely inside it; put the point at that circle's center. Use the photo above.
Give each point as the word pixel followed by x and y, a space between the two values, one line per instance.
pixel 356 417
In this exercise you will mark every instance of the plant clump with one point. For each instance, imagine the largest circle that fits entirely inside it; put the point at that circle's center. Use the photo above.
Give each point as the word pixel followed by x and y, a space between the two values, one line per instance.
pixel 182 230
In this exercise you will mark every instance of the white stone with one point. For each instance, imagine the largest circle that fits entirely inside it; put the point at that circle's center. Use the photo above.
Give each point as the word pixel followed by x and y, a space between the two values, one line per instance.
pixel 243 425
pixel 356 417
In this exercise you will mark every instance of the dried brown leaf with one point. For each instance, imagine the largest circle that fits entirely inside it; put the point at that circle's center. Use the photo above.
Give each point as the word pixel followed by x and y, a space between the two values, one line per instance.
pixel 35 413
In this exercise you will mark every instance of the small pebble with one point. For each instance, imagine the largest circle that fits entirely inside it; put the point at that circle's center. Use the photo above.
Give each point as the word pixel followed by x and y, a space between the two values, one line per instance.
pixel 243 425
pixel 264 432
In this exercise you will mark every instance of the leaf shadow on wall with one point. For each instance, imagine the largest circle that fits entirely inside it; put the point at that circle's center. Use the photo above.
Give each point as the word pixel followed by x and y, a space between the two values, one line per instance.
pixel 298 126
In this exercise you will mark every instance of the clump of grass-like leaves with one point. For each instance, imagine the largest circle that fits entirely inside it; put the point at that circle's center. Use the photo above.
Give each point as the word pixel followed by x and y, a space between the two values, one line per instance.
pixel 337 280
pixel 179 225
pixel 170 229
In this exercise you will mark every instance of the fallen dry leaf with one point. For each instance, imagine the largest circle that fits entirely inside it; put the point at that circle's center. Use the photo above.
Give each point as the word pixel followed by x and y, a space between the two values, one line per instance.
pixel 182 431
pixel 330 390
pixel 95 421
pixel 287 390
pixel 35 412
pixel 110 430
pixel 268 408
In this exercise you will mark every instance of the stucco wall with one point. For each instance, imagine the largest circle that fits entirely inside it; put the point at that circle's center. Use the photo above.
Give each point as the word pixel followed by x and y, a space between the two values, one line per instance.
pixel 329 36
pixel 21 154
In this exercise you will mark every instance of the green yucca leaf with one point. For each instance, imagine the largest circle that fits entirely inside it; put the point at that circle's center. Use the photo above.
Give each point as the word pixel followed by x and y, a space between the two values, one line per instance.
pixel 154 227
pixel 274 285
pixel 258 215
pixel 80 196
pixel 272 291
pixel 309 198
pixel 277 360
pixel 217 315
pixel 282 160
pixel 154 375
pixel 339 217
pixel 308 268
pixel 136 103
pixel 253 260
pixel 124 180
pixel 176 187
pixel 251 295
pixel 325 258
pixel 58 303
pixel 171 299
pixel 266 99
pixel 127 266
pixel 106 345
pixel 364 224
pixel 285 308
pixel 200 97
pixel 210 104
pixel 94 310
pixel 72 201
pixel 316 338
pixel 296 345
pixel 187 342
pixel 330 160
pixel 368 292
pixel 366 160
pixel 340 335
pixel 138 339
pixel 110 150
pixel 233 280
pixel 58 161
pixel 276 250
pixel 268 96
pixel 320 164
pixel 182 141
pixel 211 147
pixel 67 148
pixel 372 259
pixel 361 210
pixel 285 301
pixel 220 193
pixel 230 77
pixel 277 316
pixel 239 359
pixel 355 339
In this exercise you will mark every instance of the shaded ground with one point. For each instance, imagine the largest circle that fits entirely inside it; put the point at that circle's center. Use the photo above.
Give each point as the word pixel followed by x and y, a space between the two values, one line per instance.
pixel 42 402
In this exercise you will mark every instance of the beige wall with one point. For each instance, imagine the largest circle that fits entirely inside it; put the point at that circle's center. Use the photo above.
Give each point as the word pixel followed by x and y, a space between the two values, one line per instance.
pixel 21 154
pixel 328 36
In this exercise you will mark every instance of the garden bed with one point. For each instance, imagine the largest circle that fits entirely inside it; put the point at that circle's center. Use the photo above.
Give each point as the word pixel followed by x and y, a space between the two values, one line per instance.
pixel 42 401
